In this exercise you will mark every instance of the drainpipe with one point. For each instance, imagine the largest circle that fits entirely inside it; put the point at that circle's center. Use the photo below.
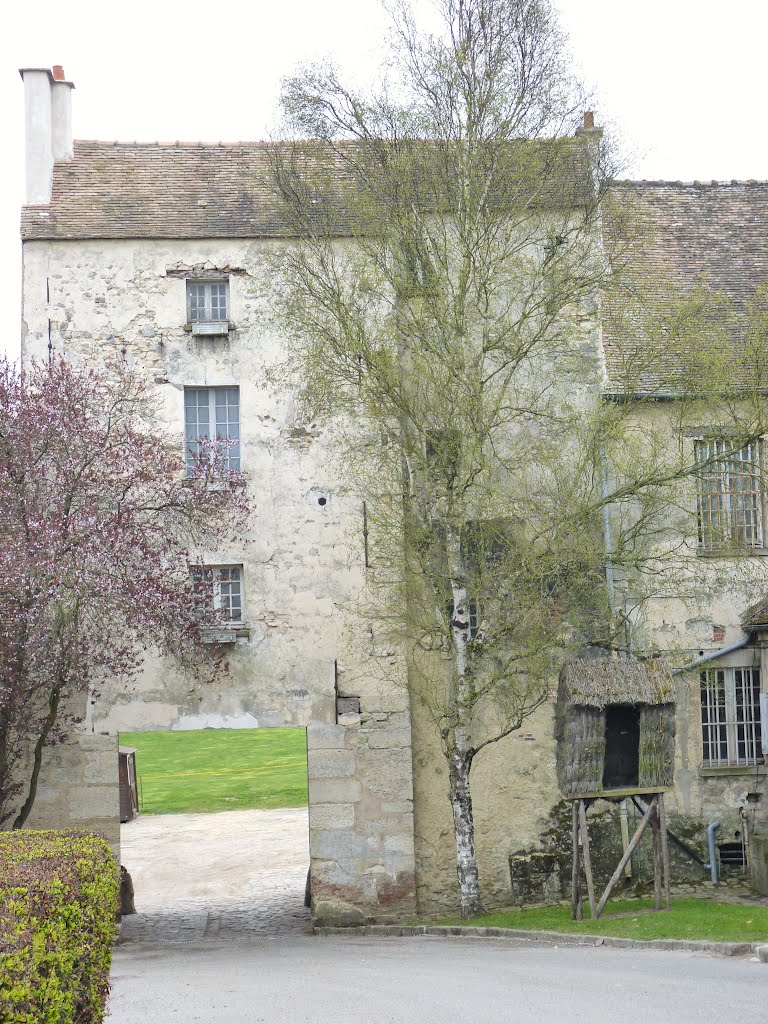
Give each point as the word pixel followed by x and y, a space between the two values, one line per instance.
pixel 711 655
pixel 711 829
pixel 610 579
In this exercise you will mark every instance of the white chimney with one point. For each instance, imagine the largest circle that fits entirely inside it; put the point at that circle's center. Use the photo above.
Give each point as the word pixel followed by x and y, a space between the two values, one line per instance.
pixel 48 128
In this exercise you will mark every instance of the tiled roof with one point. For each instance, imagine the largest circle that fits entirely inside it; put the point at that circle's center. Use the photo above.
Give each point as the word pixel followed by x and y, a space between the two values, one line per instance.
pixel 683 235
pixel 157 190
pixel 197 190
pixel 756 615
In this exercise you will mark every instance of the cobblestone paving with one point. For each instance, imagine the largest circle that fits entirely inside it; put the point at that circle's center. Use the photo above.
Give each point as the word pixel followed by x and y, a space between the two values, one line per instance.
pixel 220 876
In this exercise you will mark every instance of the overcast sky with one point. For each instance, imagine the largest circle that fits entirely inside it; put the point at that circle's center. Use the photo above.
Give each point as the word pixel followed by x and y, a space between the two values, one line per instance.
pixel 684 80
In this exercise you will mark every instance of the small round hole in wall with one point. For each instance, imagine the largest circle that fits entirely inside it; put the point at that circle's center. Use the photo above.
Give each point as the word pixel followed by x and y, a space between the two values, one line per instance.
pixel 322 501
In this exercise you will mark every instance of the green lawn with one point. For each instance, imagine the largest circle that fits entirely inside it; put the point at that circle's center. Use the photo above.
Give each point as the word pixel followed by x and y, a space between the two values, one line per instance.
pixel 688 919
pixel 220 769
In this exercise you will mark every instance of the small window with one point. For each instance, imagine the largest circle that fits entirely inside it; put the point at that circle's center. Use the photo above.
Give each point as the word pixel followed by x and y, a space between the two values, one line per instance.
pixel 729 495
pixel 475 617
pixel 223 585
pixel 212 413
pixel 730 716
pixel 207 302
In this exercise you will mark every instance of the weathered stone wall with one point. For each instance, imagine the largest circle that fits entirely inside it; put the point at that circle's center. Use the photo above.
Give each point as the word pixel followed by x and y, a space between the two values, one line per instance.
pixel 78 787
pixel 303 571
pixel 303 554
pixel 361 819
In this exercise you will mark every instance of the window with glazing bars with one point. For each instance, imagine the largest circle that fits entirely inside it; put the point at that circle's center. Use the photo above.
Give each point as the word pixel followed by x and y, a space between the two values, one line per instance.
pixel 729 495
pixel 224 584
pixel 207 301
pixel 212 413
pixel 475 615
pixel 730 716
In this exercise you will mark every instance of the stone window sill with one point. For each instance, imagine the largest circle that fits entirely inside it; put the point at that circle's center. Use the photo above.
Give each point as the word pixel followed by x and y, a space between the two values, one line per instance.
pixel 231 326
pixel 733 769
pixel 731 552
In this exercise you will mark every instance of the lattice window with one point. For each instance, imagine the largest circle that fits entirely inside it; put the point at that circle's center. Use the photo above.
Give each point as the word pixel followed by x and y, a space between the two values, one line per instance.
pixel 224 587
pixel 730 716
pixel 207 301
pixel 730 495
pixel 212 413
pixel 475 616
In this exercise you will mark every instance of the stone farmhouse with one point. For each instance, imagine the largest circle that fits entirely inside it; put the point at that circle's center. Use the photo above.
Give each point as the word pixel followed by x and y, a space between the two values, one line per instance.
pixel 152 253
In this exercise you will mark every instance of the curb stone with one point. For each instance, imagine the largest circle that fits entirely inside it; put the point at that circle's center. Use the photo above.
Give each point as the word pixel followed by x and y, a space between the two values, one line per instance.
pixel 555 938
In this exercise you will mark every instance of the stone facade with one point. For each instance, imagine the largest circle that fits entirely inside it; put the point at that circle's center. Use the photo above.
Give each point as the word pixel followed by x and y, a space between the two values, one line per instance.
pixel 107 254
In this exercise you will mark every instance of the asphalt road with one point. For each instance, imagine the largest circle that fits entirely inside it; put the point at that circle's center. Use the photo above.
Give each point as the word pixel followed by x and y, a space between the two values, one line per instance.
pixel 358 980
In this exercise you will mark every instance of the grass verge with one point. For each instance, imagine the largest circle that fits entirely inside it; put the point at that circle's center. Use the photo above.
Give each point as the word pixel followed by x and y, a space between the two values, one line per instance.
pixel 688 919
pixel 207 770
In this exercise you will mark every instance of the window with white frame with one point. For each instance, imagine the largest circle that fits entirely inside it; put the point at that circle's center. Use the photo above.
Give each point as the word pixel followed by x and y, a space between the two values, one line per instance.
pixel 730 716
pixel 223 586
pixel 475 616
pixel 212 414
pixel 207 301
pixel 729 504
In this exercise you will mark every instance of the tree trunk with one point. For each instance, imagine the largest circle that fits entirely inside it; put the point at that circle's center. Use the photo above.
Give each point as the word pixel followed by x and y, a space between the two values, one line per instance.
pixel 42 739
pixel 459 766
pixel 460 753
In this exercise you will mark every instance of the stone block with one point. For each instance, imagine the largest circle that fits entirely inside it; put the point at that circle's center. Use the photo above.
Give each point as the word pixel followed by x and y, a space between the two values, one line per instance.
pixel 331 764
pixel 400 720
pixel 100 767
pixel 349 719
pixel 325 737
pixel 340 845
pixel 327 791
pixel 399 844
pixel 397 807
pixel 397 786
pixel 323 816
pixel 94 801
pixel 389 738
pixel 332 913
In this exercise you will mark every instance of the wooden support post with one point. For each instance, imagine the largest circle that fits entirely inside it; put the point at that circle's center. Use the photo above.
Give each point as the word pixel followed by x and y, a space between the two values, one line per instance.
pixel 587 858
pixel 655 832
pixel 664 851
pixel 576 912
pixel 627 854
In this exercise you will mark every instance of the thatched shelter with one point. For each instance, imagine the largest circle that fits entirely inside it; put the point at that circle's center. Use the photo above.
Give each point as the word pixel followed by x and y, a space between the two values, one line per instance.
pixel 615 727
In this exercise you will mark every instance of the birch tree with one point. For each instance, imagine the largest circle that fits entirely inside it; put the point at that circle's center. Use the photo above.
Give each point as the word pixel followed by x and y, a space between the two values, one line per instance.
pixel 441 292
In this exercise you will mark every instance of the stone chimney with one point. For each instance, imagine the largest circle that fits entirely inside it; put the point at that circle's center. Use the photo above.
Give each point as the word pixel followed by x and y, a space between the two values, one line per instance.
pixel 48 128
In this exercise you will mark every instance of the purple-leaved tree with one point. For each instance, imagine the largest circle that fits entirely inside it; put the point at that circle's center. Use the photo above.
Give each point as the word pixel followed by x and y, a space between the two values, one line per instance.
pixel 98 520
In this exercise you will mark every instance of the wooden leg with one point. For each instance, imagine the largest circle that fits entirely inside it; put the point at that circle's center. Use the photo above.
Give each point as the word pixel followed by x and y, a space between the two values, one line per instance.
pixel 587 858
pixel 627 854
pixel 656 834
pixel 576 912
pixel 664 851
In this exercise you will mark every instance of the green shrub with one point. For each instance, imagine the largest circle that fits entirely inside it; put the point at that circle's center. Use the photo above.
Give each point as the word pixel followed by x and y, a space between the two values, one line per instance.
pixel 58 906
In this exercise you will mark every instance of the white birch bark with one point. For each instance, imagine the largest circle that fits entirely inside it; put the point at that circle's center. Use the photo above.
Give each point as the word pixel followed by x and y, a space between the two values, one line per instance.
pixel 460 743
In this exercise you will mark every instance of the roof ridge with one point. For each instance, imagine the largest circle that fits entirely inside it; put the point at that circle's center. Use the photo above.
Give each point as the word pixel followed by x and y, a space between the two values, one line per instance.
pixel 664 183
pixel 168 143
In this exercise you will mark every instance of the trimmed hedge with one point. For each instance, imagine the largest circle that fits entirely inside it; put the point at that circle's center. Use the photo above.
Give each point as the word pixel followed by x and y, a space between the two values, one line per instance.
pixel 58 908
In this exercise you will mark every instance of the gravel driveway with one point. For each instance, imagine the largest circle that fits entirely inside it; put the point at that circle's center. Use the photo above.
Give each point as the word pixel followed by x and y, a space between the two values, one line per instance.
pixel 226 875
